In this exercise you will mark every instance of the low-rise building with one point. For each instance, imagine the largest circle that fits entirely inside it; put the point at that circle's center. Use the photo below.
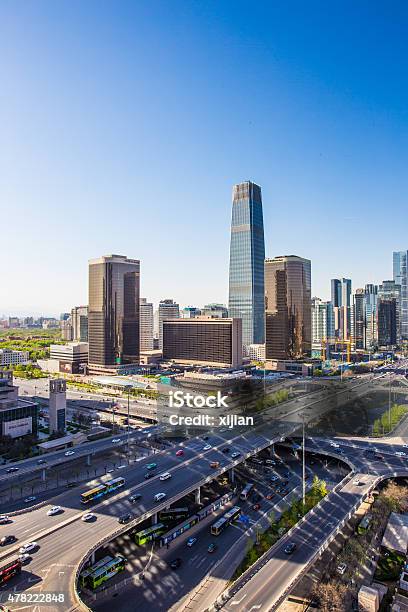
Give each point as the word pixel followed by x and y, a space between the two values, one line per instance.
pixel 8 357
pixel 72 357
pixel 18 417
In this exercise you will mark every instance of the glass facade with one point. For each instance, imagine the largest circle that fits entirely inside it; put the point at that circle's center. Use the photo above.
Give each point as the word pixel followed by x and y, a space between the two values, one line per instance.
pixel 288 324
pixel 247 255
pixel 400 273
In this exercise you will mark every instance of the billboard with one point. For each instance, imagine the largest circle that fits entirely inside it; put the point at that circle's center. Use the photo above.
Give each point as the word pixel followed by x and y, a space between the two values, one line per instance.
pixel 17 428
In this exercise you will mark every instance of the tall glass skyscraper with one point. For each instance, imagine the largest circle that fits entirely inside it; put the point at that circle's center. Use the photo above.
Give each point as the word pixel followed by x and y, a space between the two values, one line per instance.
pixel 247 255
pixel 400 272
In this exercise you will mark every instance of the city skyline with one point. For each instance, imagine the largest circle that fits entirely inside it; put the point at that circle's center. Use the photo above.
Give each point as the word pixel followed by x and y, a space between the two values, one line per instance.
pixel 323 132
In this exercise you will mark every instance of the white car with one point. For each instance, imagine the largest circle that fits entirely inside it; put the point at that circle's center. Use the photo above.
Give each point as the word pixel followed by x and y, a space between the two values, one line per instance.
pixel 24 558
pixel 69 453
pixel 334 444
pixel 115 440
pixel 54 510
pixel 165 476
pixel 89 516
pixel 235 455
pixel 27 548
pixel 400 454
pixel 207 447
pixel 122 467
pixel 159 496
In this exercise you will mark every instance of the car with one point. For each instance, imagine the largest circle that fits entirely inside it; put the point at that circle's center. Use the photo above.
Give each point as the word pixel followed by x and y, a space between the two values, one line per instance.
pixel 270 462
pixel 125 518
pixel 134 498
pixel 115 440
pixel 69 453
pixel 151 466
pixel 121 467
pixel 12 469
pixel 235 455
pixel 207 447
pixel 212 547
pixel 175 563
pixel 214 464
pixel 341 568
pixel 334 444
pixel 357 482
pixel 400 454
pixel 4 519
pixel 89 516
pixel 70 485
pixel 405 446
pixel 191 541
pixel 379 457
pixel 269 496
pixel 54 510
pixel 227 450
pixel 165 476
pixel 24 558
pixel 8 539
pixel 159 496
pixel 256 507
pixel 29 499
pixel 27 548
pixel 289 548
pixel 274 478
pixel 206 437
pixel 41 461
pixel 180 452
pixel 110 471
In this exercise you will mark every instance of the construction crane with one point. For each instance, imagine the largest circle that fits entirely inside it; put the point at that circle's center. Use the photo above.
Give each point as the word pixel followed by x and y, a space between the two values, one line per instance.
pixel 336 341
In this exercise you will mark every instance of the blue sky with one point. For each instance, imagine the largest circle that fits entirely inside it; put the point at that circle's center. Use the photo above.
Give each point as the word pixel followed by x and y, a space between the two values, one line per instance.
pixel 124 126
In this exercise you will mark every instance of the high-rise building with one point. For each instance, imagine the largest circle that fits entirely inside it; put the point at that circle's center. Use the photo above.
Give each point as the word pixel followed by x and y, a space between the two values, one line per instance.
pixel 387 322
pixel 168 309
pixel 203 341
pixel 246 270
pixel 189 312
pixel 322 323
pixel 370 316
pixel 288 317
pixel 113 318
pixel 146 325
pixel 359 319
pixel 400 275
pixel 390 290
pixel 67 332
pixel 79 322
pixel 341 300
pixel 215 310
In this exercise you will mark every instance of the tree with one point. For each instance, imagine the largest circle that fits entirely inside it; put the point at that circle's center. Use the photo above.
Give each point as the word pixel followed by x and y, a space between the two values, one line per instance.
pixel 333 597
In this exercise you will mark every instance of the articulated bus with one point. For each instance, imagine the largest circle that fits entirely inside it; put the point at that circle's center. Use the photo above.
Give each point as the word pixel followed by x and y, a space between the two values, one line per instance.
pixel 104 569
pixel 225 520
pixel 10 569
pixel 246 491
pixel 173 513
pixel 149 534
pixel 101 490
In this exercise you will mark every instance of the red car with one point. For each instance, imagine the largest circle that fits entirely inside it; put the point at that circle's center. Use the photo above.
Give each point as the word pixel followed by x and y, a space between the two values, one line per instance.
pixel 269 496
pixel 256 506
pixel 180 453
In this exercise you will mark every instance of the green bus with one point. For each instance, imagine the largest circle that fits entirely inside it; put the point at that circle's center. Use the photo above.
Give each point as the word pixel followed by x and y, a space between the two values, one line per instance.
pixel 105 569
pixel 149 534
pixel 364 523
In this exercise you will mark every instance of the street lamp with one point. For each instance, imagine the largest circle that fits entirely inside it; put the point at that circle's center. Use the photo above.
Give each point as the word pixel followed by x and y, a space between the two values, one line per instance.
pixel 303 461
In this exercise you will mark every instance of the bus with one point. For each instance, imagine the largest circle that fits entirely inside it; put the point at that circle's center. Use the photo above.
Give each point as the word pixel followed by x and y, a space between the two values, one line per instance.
pixel 246 491
pixel 173 513
pixel 225 520
pixel 84 576
pixel 10 569
pixel 102 571
pixel 149 534
pixel 102 489
pixel 364 523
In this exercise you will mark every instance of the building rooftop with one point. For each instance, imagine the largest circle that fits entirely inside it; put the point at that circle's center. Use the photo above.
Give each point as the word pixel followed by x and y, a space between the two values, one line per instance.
pixel 396 533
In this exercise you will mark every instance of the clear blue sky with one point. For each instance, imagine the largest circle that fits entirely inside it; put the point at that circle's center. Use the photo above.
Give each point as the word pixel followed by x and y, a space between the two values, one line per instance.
pixel 124 126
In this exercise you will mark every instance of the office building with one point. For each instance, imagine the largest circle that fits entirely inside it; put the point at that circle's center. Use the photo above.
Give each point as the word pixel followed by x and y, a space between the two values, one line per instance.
pixel 215 310
pixel 400 276
pixel 168 309
pixel 146 325
pixel 57 405
pixel 79 322
pixel 322 325
pixel 8 357
pixel 13 322
pixel 67 332
pixel 189 312
pixel 370 316
pixel 288 317
pixel 387 322
pixel 113 314
pixel 390 290
pixel 72 357
pixel 256 352
pixel 246 269
pixel 359 319
pixel 203 341
pixel 18 417
pixel 341 301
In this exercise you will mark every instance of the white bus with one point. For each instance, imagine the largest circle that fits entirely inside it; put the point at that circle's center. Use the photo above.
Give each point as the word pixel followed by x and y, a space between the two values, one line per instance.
pixel 246 491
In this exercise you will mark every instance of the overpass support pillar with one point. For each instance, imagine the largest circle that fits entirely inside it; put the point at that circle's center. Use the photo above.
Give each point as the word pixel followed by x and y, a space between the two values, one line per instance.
pixel 43 474
pixel 197 494
pixel 231 475
pixel 155 518
pixel 92 558
pixel 89 459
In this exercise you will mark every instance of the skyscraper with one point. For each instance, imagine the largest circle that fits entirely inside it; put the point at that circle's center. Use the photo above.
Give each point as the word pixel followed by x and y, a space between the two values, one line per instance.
pixel 247 255
pixel 288 317
pixel 146 325
pixel 79 320
pixel 113 318
pixel 390 290
pixel 400 275
pixel 322 323
pixel 387 322
pixel 341 300
pixel 359 319
pixel 168 309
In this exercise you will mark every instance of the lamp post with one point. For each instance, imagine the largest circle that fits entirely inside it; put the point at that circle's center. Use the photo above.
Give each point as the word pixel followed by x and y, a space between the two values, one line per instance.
pixel 303 461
